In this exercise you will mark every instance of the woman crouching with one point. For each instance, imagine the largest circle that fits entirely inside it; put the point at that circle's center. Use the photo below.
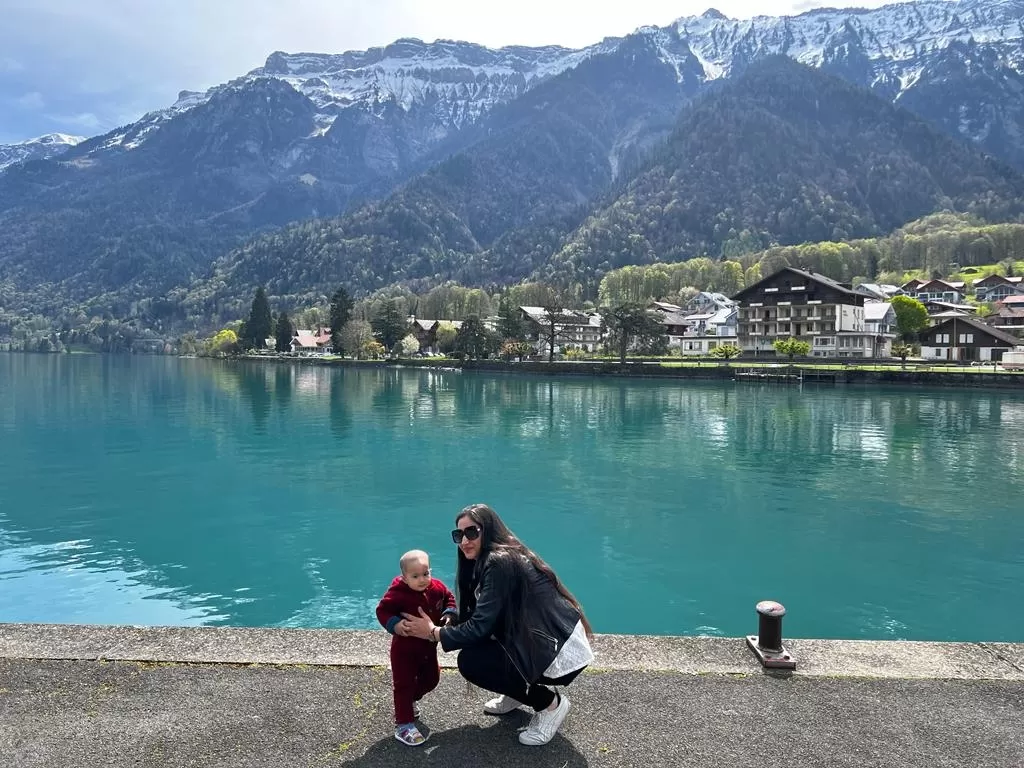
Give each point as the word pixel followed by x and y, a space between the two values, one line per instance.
pixel 520 631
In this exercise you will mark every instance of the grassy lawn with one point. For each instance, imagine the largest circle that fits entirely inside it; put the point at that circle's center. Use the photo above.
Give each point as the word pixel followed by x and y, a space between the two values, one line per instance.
pixel 983 270
pixel 911 367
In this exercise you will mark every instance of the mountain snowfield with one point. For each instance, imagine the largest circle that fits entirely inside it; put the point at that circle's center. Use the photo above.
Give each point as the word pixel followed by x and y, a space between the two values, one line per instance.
pixel 41 148
pixel 457 82
pixel 413 160
pixel 451 85
pixel 897 39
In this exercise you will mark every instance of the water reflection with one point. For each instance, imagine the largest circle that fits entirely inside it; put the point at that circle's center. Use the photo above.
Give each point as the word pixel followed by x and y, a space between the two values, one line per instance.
pixel 261 495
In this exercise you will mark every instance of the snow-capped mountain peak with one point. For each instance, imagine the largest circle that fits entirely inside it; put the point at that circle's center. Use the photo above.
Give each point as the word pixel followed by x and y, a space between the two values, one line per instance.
pixel 437 89
pixel 457 82
pixel 895 39
pixel 39 148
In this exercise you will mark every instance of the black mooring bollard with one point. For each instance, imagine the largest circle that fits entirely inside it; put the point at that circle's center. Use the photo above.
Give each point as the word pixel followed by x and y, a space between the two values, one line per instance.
pixel 767 643
pixel 769 625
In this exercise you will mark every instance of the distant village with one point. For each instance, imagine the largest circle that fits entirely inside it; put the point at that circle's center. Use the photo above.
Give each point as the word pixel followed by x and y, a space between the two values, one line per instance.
pixel 837 320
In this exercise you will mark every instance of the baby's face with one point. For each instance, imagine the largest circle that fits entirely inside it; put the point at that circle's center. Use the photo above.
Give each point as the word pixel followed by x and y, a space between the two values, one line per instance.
pixel 417 575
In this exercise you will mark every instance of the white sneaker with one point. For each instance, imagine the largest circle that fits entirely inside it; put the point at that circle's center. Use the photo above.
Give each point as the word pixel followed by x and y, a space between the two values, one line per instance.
pixel 546 725
pixel 501 705
pixel 416 709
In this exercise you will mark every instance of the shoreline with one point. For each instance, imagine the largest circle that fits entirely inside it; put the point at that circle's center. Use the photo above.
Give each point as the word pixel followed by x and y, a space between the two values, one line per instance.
pixel 840 373
pixel 692 655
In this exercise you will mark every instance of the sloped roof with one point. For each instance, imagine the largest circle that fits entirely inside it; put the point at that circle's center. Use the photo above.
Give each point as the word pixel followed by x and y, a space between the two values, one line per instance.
pixel 950 305
pixel 1006 312
pixel 873 288
pixel 1003 336
pixel 723 315
pixel 567 316
pixel 664 306
pixel 942 284
pixel 812 276
pixel 674 318
pixel 876 310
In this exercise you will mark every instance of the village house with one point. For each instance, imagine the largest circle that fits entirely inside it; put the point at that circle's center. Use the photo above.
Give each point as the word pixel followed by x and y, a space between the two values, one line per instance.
pixel 309 342
pixel 803 305
pixel 878 291
pixel 938 311
pixel 425 332
pixel 706 331
pixel 1015 301
pixel 965 339
pixel 880 323
pixel 574 329
pixel 707 302
pixel 910 287
pixel 1008 319
pixel 697 333
pixel 937 290
pixel 997 287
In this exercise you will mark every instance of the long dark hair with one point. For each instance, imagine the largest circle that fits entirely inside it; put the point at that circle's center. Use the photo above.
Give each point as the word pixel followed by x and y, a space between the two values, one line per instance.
pixel 496 540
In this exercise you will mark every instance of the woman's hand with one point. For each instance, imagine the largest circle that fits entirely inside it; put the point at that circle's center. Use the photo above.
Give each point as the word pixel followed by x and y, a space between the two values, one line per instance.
pixel 420 626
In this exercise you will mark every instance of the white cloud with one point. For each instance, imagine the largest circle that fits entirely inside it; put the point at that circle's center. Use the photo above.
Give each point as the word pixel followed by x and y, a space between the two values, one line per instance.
pixel 33 100
pixel 7 64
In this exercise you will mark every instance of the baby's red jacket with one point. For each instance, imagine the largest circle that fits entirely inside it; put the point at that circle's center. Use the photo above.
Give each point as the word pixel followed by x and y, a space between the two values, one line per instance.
pixel 437 600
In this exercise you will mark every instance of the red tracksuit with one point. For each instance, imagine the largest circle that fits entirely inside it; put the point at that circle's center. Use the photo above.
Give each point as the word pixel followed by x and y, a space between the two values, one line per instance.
pixel 414 666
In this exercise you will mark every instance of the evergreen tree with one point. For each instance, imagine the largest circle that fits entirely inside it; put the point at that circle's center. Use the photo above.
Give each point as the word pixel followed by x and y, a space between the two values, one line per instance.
pixel 260 324
pixel 341 313
pixel 473 339
pixel 284 333
pixel 510 324
pixel 389 326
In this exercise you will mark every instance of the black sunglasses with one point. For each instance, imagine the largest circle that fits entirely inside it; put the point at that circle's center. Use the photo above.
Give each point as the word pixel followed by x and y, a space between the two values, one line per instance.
pixel 472 533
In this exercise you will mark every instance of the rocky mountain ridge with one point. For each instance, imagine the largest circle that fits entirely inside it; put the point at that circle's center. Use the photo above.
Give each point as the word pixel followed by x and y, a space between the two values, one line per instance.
pixel 545 134
pixel 39 148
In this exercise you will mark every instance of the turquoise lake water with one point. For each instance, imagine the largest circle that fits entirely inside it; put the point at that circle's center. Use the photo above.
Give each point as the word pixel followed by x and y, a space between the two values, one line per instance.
pixel 166 491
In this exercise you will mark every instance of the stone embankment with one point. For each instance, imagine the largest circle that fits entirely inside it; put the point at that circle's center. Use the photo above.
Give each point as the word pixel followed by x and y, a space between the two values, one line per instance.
pixel 109 697
pixel 828 372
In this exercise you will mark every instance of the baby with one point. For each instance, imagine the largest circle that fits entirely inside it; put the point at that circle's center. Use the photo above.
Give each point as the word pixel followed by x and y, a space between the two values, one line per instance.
pixel 414 668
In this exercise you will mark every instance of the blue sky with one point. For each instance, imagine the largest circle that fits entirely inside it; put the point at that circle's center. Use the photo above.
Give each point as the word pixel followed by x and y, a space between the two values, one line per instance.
pixel 86 66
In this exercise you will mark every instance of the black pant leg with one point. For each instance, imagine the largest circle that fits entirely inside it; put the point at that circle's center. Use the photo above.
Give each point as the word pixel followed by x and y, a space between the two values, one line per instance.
pixel 540 696
pixel 487 666
pixel 564 679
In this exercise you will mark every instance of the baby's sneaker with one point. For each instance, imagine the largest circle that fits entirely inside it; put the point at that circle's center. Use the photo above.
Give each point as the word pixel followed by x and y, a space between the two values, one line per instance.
pixel 410 735
pixel 416 710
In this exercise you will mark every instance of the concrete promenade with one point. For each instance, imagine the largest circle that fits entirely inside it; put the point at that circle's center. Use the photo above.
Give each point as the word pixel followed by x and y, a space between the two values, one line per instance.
pixel 84 696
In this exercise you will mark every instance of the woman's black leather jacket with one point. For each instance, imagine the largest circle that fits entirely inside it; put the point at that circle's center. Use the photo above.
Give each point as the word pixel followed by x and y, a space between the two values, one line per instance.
pixel 550 618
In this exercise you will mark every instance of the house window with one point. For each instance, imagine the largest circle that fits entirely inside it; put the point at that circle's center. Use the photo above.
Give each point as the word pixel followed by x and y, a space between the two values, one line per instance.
pixel 938 352
pixel 970 338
